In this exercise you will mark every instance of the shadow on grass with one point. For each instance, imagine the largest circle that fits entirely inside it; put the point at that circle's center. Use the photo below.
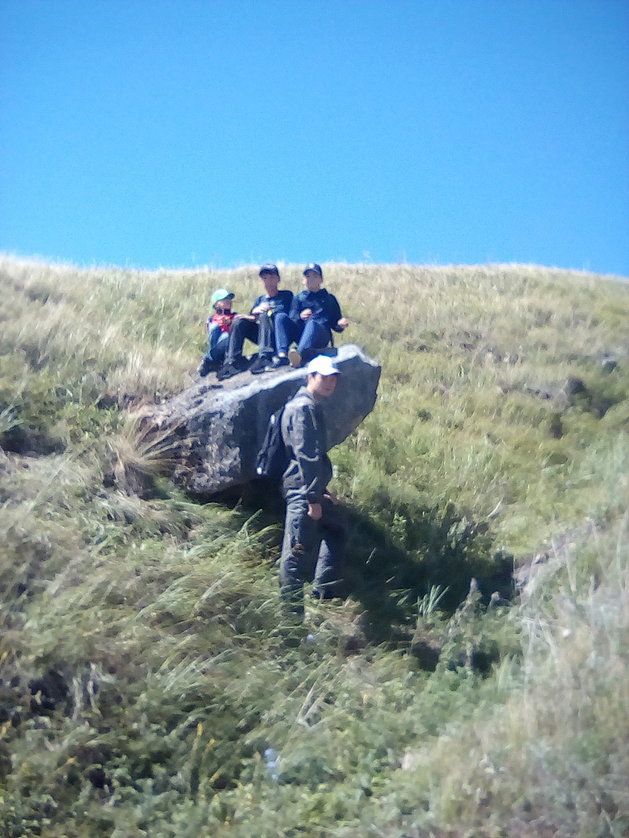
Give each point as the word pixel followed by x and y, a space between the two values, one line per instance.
pixel 388 569
pixel 390 565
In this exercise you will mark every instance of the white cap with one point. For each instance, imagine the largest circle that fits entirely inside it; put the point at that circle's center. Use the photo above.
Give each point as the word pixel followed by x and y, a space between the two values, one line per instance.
pixel 323 365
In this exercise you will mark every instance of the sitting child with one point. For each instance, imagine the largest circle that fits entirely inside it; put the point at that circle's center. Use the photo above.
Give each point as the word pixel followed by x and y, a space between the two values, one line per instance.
pixel 314 313
pixel 267 324
pixel 218 327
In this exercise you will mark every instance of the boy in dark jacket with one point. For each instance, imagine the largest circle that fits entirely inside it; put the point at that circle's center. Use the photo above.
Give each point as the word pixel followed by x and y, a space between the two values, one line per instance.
pixel 315 314
pixel 314 536
pixel 267 324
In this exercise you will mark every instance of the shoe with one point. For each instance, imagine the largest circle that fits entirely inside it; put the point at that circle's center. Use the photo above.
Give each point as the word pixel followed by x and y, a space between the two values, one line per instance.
pixel 227 371
pixel 206 366
pixel 294 357
pixel 277 363
pixel 261 364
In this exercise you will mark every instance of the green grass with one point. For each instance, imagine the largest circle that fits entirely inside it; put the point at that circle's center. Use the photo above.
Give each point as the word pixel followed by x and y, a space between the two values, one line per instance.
pixel 148 625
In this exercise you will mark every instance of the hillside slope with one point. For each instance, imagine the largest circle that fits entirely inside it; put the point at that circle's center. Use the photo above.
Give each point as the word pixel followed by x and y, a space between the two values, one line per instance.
pixel 144 673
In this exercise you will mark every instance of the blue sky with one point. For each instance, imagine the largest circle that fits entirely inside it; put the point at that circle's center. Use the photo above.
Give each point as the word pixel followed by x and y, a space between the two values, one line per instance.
pixel 153 133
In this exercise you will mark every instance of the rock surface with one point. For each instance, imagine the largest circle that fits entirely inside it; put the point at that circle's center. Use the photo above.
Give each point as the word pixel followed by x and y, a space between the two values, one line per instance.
pixel 216 429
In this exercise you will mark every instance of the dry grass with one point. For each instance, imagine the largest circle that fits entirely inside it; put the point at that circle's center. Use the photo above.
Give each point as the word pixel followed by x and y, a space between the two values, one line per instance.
pixel 161 616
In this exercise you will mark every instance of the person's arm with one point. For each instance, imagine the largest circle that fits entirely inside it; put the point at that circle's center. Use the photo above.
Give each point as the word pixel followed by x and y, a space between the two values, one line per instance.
pixel 305 440
pixel 256 308
pixel 284 302
pixel 335 318
pixel 295 309
pixel 252 314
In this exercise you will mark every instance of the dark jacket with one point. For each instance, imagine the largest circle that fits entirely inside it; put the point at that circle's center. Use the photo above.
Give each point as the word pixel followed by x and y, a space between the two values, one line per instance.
pixel 280 303
pixel 304 433
pixel 325 308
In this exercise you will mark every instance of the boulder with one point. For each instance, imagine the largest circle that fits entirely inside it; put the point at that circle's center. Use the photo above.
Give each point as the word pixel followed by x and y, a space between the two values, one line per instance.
pixel 215 430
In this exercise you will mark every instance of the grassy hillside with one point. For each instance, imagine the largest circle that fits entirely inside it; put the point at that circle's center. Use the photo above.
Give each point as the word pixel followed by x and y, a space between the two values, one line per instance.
pixel 143 669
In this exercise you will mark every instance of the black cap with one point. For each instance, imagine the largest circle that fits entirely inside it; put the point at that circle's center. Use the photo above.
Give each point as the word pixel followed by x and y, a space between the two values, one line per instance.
pixel 312 266
pixel 268 268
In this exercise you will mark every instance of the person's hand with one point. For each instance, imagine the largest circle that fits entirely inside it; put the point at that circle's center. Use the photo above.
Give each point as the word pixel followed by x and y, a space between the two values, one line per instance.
pixel 244 317
pixel 306 313
pixel 314 511
pixel 261 308
pixel 343 323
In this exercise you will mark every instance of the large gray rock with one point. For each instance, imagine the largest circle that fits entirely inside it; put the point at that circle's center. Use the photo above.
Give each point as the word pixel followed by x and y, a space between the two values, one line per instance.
pixel 217 428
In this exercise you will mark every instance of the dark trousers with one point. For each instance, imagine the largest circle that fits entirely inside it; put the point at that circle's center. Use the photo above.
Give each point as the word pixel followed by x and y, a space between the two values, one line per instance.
pixel 311 551
pixel 267 332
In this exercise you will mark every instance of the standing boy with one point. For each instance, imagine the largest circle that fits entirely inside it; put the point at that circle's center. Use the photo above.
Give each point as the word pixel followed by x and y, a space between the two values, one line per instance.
pixel 314 537
pixel 315 314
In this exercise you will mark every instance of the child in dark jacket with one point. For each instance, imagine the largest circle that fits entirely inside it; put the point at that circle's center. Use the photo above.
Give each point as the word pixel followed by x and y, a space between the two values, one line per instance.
pixel 267 324
pixel 315 314
pixel 219 325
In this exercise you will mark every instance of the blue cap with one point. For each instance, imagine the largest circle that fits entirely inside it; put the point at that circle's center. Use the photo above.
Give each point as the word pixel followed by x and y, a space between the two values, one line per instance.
pixel 312 266
pixel 268 268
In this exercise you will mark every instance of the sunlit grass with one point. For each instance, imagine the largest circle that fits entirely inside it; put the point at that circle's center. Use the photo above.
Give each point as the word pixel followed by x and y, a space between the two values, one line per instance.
pixel 159 616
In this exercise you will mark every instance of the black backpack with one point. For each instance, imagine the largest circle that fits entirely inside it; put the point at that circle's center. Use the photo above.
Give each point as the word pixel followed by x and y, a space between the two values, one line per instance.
pixel 273 457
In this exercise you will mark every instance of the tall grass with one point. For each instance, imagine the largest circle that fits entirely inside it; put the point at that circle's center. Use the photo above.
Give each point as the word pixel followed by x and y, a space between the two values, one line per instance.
pixel 145 671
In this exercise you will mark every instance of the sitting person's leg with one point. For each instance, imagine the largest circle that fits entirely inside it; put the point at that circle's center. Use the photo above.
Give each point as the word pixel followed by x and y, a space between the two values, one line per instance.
pixel 284 330
pixel 314 336
pixel 241 330
pixel 234 361
pixel 221 347
pixel 283 333
pixel 266 344
pixel 215 353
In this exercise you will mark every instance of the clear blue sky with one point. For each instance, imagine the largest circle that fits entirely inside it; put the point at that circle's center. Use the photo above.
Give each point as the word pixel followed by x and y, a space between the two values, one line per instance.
pixel 154 133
